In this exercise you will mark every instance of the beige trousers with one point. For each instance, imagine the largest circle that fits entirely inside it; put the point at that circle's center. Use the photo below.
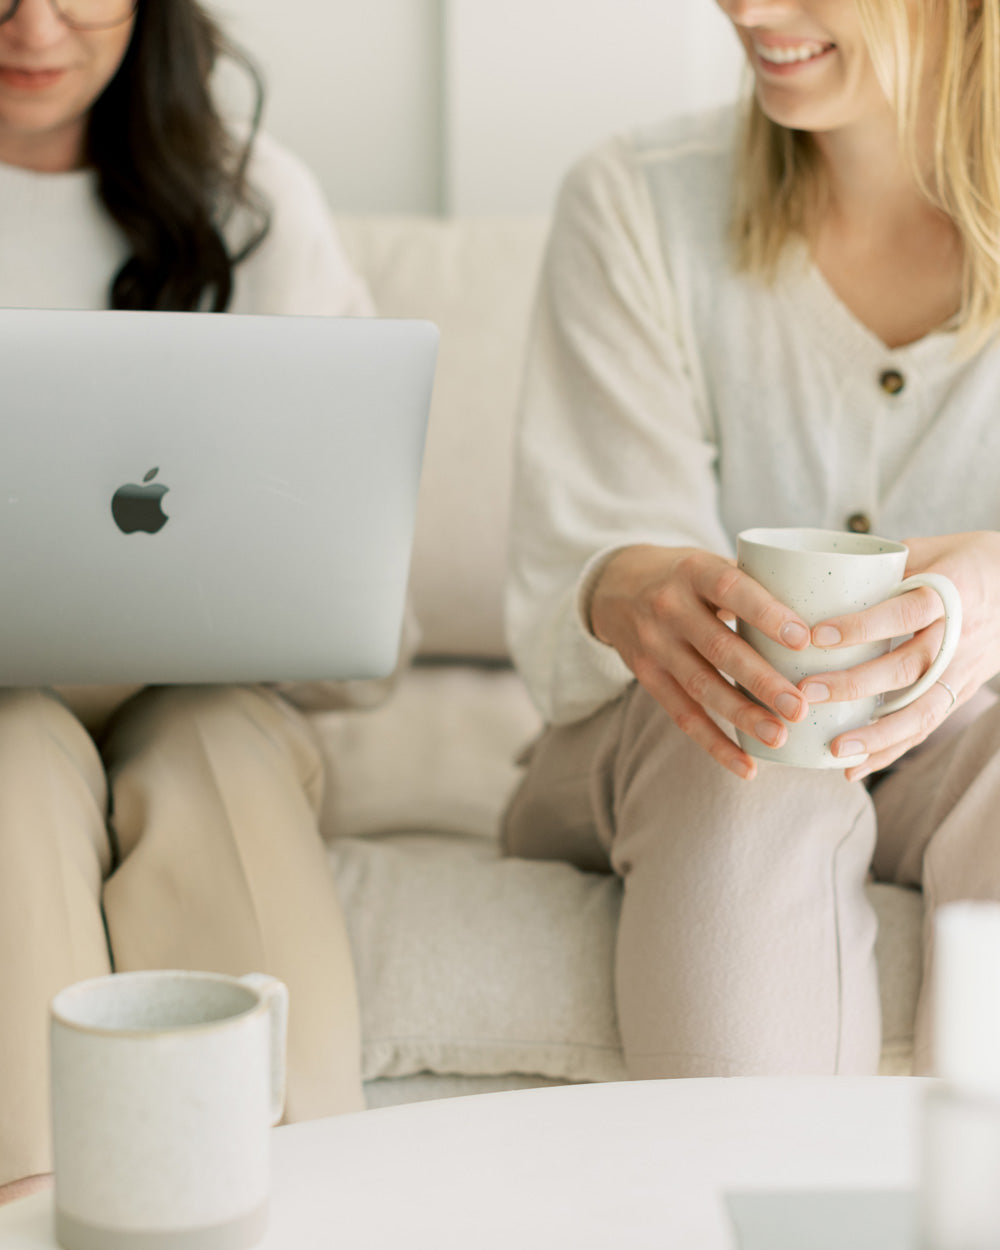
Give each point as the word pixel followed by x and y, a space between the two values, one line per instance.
pixel 188 841
pixel 746 942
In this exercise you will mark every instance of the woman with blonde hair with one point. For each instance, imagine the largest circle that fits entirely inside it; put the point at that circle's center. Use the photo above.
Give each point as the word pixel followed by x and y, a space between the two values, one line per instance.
pixel 783 315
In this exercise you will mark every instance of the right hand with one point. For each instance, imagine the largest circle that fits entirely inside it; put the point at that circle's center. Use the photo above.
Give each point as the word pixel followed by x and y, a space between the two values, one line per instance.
pixel 664 610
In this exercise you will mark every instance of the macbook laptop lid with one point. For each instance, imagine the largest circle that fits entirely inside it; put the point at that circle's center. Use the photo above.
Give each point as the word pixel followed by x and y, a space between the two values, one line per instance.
pixel 207 498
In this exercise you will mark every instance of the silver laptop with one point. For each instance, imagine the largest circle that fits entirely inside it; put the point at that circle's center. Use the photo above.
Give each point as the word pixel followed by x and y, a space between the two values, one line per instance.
pixel 195 497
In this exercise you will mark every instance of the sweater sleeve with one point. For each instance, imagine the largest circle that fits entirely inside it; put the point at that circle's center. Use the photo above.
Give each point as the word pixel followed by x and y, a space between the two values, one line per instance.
pixel 614 444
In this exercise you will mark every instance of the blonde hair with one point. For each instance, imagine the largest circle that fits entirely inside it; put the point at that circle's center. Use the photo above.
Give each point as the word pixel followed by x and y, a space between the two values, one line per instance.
pixel 780 190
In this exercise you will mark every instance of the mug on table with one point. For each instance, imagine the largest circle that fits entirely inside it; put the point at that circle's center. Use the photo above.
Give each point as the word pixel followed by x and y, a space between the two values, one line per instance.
pixel 165 1086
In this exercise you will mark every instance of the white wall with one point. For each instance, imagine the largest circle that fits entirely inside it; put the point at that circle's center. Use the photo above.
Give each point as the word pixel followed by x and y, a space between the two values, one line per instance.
pixel 354 86
pixel 472 105
pixel 531 84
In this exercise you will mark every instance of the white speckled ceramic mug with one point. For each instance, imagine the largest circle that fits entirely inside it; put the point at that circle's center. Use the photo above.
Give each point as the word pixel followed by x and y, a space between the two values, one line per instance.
pixel 826 573
pixel 165 1086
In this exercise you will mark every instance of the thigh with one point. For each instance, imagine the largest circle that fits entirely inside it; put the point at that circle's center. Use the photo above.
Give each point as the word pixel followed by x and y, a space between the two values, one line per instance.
pixel 215 793
pixel 55 852
pixel 53 839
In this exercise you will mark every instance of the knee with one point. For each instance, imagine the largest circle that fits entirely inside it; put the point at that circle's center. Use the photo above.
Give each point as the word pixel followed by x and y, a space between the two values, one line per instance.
pixel 159 711
pixel 31 721
pixel 21 708
pixel 48 763
pixel 236 723
pixel 675 800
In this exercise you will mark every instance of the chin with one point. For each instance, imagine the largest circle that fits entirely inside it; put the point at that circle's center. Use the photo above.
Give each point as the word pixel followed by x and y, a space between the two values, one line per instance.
pixel 808 115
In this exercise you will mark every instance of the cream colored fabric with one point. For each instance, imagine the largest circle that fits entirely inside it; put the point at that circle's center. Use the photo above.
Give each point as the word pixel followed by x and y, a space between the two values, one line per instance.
pixel 213 862
pixel 469 964
pixel 439 755
pixel 394 1091
pixel 476 280
pixel 472 965
pixel 670 399
pixel 59 248
pixel 746 943
pixel 900 914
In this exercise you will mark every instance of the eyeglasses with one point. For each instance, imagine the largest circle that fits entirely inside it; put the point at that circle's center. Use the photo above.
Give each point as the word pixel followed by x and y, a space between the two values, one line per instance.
pixel 82 14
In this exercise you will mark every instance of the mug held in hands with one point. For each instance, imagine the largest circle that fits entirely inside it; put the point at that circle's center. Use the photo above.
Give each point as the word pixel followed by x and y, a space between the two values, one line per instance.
pixel 821 574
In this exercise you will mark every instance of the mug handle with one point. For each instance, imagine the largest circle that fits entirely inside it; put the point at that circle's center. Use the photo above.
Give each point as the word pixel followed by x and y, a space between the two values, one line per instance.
pixel 274 994
pixel 945 589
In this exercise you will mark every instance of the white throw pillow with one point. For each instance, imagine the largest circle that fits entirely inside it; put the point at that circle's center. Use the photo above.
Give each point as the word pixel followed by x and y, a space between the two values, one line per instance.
pixel 476 965
pixel 472 964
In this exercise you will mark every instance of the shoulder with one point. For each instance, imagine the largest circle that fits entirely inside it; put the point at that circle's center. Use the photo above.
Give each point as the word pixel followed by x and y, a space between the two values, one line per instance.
pixel 696 142
pixel 688 166
pixel 284 180
pixel 300 265
pixel 679 170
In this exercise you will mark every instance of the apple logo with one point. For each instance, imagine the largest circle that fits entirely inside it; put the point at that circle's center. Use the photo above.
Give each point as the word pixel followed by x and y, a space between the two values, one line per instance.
pixel 136 507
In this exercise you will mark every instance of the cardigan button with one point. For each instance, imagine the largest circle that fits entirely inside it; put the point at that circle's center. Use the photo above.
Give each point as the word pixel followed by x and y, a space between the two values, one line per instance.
pixel 891 381
pixel 859 523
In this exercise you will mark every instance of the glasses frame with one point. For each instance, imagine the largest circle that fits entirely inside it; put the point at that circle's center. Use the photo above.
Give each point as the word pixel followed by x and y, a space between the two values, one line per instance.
pixel 14 5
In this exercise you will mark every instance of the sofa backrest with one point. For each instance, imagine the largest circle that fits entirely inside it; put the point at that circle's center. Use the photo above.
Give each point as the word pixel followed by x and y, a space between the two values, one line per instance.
pixel 475 278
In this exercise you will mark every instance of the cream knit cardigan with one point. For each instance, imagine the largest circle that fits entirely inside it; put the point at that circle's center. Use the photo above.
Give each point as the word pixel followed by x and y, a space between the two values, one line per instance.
pixel 669 399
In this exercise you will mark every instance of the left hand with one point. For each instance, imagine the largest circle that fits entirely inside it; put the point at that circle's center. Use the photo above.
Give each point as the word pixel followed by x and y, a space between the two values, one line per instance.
pixel 972 562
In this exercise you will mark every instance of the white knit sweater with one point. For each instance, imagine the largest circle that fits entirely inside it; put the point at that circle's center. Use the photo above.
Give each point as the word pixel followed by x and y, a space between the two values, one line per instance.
pixel 671 400
pixel 59 249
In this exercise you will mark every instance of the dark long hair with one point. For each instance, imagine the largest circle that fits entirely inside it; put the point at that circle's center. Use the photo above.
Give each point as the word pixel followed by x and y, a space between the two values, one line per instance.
pixel 169 172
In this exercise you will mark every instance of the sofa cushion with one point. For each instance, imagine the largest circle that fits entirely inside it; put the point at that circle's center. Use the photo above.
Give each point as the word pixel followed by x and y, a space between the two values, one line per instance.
pixel 476 965
pixel 472 964
pixel 475 279
pixel 439 755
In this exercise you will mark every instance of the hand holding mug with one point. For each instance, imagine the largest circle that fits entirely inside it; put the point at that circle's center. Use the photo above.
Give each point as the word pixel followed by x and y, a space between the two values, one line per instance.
pixel 663 610
pixel 826 575
pixel 972 562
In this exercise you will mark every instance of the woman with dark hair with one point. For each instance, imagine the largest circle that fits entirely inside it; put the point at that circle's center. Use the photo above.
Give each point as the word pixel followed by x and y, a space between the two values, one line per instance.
pixel 157 827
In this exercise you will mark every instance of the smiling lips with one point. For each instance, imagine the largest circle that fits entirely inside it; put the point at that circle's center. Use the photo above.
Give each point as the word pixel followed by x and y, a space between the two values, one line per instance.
pixel 29 79
pixel 786 56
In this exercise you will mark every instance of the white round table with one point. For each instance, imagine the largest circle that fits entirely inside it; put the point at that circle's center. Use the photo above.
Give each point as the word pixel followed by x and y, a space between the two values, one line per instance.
pixel 586 1167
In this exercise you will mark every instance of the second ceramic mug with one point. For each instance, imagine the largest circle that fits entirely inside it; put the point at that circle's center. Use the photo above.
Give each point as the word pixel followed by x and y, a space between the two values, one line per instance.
pixel 821 574
pixel 164 1089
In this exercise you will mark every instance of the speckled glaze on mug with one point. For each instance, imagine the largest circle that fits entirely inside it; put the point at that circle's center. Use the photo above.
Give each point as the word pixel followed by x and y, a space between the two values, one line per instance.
pixel 165 1086
pixel 821 574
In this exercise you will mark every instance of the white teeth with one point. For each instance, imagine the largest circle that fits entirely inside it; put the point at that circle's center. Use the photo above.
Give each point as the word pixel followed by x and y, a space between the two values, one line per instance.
pixel 785 56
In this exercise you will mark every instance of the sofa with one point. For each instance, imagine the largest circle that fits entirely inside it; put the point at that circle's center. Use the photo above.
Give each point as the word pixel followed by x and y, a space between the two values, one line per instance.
pixel 478 973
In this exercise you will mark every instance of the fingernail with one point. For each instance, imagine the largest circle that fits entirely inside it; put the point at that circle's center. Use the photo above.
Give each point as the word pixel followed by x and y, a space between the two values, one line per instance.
pixel 794 635
pixel 788 705
pixel 851 748
pixel 826 636
pixel 769 732
pixel 746 771
pixel 815 692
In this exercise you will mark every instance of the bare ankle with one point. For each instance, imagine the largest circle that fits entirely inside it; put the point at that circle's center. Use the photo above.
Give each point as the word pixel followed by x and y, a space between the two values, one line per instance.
pixel 23 1187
